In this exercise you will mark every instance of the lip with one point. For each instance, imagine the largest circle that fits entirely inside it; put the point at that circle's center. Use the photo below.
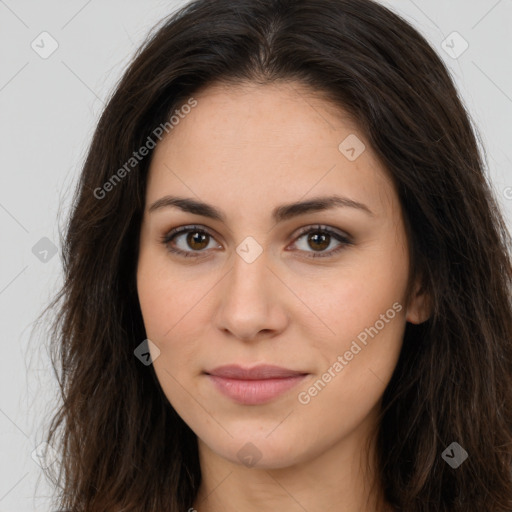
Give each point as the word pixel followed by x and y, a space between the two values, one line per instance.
pixel 253 386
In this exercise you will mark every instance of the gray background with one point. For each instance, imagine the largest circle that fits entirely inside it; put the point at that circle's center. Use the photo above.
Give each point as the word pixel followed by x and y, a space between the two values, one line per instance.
pixel 49 107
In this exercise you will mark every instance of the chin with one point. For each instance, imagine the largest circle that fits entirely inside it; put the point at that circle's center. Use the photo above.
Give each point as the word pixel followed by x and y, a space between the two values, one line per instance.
pixel 255 450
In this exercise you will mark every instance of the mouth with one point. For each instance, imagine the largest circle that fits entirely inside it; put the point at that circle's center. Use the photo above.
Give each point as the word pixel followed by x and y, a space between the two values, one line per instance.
pixel 254 386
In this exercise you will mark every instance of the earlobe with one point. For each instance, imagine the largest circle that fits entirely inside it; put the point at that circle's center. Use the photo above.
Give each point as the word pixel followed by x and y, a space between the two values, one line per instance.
pixel 419 308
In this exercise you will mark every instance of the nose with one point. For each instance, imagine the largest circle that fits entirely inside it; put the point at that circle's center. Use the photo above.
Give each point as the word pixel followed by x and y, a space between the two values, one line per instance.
pixel 252 303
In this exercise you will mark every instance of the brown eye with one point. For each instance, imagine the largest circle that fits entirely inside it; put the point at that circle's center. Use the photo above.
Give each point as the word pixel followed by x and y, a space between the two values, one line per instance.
pixel 192 241
pixel 188 241
pixel 319 238
pixel 196 240
pixel 319 241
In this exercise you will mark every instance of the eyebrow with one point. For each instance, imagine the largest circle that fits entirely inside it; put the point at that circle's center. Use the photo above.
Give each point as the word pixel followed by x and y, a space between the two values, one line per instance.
pixel 279 214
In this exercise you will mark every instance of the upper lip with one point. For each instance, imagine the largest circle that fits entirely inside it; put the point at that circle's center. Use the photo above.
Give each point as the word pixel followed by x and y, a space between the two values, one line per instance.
pixel 260 372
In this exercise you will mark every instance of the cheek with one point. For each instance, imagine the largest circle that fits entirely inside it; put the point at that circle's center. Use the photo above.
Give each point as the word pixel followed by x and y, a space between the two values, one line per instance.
pixel 358 361
pixel 366 331
pixel 165 298
pixel 378 281
pixel 164 307
pixel 171 307
pixel 165 321
pixel 365 314
pixel 356 297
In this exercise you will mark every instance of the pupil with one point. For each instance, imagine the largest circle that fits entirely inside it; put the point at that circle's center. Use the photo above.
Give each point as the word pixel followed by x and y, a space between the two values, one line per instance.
pixel 314 238
pixel 193 240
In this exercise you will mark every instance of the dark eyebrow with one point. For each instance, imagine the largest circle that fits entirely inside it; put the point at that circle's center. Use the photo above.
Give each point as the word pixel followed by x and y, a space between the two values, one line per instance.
pixel 279 214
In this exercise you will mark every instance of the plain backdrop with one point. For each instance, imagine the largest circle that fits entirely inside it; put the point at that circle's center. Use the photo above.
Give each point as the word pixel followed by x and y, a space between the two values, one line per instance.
pixel 49 105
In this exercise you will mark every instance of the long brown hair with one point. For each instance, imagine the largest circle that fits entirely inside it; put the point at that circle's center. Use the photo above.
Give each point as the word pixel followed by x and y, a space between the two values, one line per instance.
pixel 122 446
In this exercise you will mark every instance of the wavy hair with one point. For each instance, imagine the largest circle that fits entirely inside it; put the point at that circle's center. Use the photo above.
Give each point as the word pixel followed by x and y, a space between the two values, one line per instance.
pixel 122 446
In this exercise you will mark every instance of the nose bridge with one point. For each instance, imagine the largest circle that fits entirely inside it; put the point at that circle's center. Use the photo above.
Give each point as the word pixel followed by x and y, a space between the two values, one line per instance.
pixel 249 304
pixel 250 271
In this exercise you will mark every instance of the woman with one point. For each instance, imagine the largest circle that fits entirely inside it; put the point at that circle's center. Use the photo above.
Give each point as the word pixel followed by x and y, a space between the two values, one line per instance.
pixel 287 279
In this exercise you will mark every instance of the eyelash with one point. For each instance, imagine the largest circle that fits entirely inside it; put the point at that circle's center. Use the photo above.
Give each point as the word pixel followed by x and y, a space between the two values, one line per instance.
pixel 168 238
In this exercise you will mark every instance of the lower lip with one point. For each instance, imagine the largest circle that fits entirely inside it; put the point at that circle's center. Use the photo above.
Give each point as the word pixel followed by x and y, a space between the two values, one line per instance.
pixel 255 392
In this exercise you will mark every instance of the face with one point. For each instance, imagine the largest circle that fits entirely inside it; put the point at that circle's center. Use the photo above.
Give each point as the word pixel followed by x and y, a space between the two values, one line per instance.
pixel 317 291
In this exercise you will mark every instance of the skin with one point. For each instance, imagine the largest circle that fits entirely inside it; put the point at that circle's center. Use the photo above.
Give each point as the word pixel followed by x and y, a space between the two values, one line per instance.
pixel 247 149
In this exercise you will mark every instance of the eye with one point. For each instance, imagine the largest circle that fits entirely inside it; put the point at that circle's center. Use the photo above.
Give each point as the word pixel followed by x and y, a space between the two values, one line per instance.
pixel 319 238
pixel 198 239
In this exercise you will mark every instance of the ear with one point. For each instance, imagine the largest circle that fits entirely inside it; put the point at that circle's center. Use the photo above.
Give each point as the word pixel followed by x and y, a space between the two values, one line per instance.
pixel 419 308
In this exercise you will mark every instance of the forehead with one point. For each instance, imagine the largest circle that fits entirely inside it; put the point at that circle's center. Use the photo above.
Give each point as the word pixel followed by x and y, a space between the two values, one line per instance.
pixel 256 142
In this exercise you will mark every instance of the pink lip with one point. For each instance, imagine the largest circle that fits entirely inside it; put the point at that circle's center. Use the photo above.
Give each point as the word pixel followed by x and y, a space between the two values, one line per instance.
pixel 253 386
